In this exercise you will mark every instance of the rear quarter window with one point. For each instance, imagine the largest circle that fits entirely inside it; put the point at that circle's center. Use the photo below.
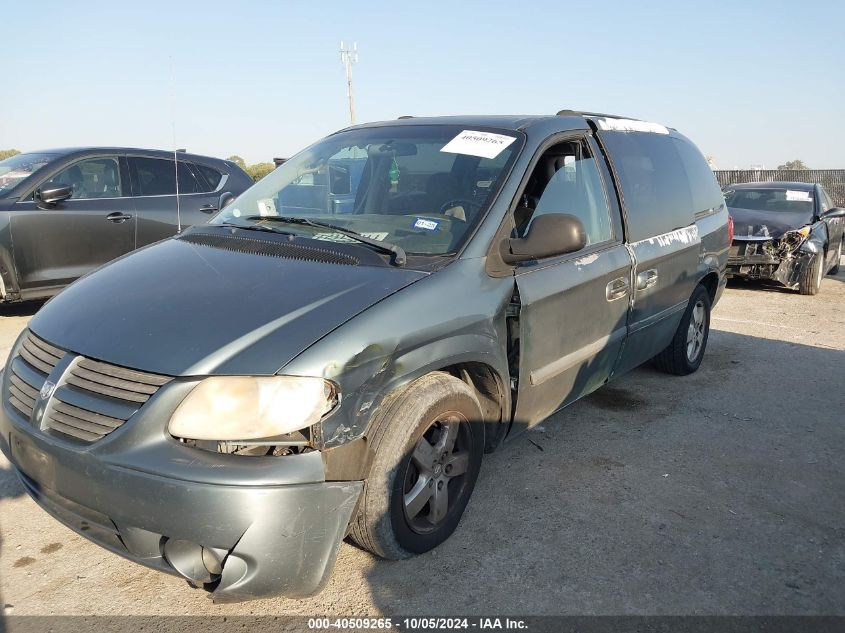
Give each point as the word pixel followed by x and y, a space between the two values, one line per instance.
pixel 654 182
pixel 211 175
pixel 704 188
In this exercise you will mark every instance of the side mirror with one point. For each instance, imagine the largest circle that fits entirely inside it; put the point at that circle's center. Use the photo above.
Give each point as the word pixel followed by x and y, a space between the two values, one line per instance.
pixel 548 235
pixel 835 212
pixel 226 198
pixel 52 192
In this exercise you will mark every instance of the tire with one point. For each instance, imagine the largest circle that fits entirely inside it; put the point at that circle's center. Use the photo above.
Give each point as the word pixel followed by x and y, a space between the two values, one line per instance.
pixel 811 277
pixel 684 354
pixel 835 269
pixel 408 506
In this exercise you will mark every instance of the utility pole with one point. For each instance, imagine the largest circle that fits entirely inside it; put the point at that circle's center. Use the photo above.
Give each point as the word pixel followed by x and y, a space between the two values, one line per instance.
pixel 349 56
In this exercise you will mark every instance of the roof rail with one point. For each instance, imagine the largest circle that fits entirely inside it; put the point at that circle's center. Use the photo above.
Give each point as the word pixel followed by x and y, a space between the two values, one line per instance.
pixel 597 114
pixel 405 116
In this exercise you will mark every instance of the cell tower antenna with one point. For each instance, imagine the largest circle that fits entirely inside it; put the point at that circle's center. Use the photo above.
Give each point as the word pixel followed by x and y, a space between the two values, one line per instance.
pixel 175 150
pixel 349 56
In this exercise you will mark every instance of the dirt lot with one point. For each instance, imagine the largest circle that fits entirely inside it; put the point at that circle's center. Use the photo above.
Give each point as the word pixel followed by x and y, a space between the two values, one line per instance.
pixel 719 493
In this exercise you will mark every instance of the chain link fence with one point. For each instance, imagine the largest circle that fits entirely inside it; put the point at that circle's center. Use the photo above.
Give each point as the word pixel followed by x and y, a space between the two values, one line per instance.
pixel 833 180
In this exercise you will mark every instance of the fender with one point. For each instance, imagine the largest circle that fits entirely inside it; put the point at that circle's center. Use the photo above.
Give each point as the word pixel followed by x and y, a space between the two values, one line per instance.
pixel 405 336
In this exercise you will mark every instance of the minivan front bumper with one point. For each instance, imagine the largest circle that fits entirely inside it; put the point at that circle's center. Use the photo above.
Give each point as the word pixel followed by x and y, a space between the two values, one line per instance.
pixel 262 540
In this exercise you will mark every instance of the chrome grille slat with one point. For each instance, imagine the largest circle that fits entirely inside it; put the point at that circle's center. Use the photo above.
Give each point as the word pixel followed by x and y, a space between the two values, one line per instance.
pixel 72 431
pixel 121 372
pixel 44 345
pixel 32 347
pixel 88 416
pixel 29 401
pixel 110 381
pixel 20 406
pixel 113 392
pixel 34 361
pixel 21 385
pixel 76 423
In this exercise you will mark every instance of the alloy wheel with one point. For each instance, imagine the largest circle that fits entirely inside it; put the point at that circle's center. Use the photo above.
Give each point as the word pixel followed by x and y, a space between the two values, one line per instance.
pixel 695 331
pixel 435 477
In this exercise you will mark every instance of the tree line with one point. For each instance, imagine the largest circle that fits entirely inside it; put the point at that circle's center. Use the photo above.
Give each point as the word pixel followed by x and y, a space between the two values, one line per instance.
pixel 256 171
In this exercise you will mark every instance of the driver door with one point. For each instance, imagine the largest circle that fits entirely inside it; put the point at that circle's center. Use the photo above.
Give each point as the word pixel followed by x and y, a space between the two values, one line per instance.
pixel 574 308
pixel 55 245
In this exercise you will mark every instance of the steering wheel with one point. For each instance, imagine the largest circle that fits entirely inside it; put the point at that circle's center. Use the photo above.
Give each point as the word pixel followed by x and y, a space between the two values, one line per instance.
pixel 471 207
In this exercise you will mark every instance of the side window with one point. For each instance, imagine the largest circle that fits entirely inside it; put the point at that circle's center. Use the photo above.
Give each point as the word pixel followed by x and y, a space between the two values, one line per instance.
pixel 92 178
pixel 824 201
pixel 653 180
pixel 567 180
pixel 157 177
pixel 211 175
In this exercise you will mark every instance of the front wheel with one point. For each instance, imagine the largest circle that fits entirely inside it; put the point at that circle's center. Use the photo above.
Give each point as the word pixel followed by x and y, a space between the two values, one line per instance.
pixel 684 354
pixel 811 277
pixel 428 442
pixel 835 269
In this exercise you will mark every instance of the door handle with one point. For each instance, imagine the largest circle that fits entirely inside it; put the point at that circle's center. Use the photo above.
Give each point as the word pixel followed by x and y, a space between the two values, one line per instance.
pixel 208 208
pixel 118 216
pixel 617 288
pixel 646 279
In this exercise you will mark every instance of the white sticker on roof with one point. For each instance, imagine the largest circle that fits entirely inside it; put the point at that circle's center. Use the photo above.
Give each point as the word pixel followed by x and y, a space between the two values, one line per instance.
pixel 630 125
pixel 483 144
pixel 803 196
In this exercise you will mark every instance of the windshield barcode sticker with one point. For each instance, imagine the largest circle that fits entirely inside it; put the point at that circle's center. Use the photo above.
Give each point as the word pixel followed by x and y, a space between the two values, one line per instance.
pixel 483 144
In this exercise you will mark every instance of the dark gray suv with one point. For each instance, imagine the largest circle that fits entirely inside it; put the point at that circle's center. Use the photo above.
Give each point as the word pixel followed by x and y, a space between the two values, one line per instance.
pixel 64 212
pixel 335 351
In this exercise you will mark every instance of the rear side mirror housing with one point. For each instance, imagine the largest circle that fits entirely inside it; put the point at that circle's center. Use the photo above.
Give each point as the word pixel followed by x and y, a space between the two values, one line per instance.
pixel 51 193
pixel 548 235
pixel 835 212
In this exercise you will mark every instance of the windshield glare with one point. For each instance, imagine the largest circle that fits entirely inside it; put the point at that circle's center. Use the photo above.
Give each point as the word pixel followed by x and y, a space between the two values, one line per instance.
pixel 789 200
pixel 392 184
pixel 20 166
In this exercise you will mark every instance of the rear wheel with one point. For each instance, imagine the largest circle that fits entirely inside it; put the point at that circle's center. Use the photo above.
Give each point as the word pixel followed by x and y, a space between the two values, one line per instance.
pixel 684 354
pixel 811 277
pixel 428 442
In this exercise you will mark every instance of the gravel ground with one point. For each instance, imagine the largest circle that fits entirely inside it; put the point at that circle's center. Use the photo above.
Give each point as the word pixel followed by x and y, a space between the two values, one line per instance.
pixel 718 493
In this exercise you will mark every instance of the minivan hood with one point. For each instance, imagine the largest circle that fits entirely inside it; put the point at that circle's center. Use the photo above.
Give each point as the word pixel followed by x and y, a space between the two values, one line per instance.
pixel 751 223
pixel 179 308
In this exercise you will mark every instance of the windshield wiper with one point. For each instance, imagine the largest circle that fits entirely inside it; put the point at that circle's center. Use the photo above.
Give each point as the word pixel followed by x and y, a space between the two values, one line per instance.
pixel 399 256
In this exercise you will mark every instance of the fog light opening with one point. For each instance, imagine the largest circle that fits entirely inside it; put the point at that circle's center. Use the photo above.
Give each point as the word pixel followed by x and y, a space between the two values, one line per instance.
pixel 197 564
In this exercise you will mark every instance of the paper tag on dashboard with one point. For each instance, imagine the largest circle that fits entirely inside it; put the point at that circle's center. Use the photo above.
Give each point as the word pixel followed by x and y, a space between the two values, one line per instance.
pixel 483 144
pixel 803 196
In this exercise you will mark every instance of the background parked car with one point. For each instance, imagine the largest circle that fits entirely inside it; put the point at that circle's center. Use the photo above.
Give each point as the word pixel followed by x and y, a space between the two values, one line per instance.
pixel 789 232
pixel 64 212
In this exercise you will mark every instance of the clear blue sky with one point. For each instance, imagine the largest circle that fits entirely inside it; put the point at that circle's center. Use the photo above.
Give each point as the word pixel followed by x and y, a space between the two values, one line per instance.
pixel 749 82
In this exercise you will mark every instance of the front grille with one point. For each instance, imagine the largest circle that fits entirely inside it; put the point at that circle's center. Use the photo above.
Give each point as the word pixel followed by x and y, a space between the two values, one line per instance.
pixel 93 398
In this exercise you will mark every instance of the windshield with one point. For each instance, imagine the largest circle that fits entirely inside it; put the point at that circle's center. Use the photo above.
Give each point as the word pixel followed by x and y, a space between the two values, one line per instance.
pixel 789 200
pixel 20 166
pixel 422 188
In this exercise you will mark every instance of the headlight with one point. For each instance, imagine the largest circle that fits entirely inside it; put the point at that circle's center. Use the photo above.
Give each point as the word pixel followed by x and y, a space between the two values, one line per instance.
pixel 248 408
pixel 794 239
